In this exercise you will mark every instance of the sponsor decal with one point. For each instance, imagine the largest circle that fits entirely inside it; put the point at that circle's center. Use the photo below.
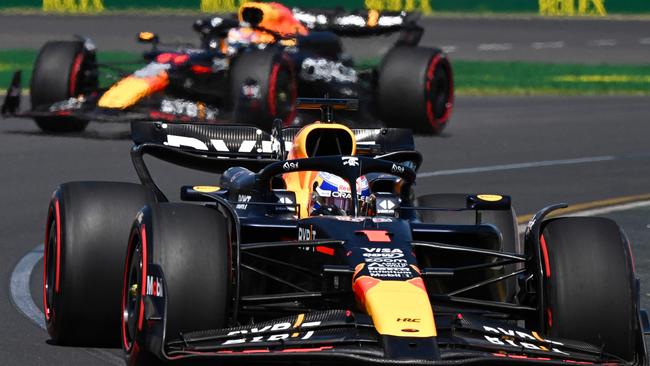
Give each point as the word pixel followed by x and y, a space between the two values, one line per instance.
pixel 386 263
pixel 520 339
pixel 67 105
pixel 252 334
pixel 290 165
pixel 349 218
pixel 305 234
pixel 397 169
pixel 381 219
pixel 154 286
pixel 408 320
pixel 386 206
pixel 350 160
pixel 287 201
pixel 181 107
pixel 242 198
pixel 219 145
pixel 320 69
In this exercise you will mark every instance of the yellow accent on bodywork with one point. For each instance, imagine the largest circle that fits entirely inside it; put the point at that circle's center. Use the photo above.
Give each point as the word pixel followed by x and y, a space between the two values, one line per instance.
pixel 490 197
pixel 299 320
pixel 389 303
pixel 146 36
pixel 206 189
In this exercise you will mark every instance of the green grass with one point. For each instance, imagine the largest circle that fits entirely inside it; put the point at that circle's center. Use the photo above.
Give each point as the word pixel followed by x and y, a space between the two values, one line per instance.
pixel 524 78
pixel 23 59
pixel 470 77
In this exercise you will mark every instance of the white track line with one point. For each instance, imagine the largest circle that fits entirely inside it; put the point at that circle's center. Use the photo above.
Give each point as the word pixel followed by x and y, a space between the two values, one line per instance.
pixel 532 164
pixel 494 47
pixel 545 45
pixel 603 42
pixel 598 211
pixel 21 297
pixel 449 49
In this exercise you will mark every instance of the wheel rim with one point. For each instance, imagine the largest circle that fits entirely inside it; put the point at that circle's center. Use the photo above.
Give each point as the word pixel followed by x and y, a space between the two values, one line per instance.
pixel 50 272
pixel 132 294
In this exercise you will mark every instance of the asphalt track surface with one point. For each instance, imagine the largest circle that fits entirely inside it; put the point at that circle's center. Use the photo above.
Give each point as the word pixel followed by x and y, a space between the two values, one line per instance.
pixel 586 40
pixel 540 150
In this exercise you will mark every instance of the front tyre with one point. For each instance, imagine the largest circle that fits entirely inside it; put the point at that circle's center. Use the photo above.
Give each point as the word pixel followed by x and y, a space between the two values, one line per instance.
pixel 191 245
pixel 63 69
pixel 415 89
pixel 589 279
pixel 87 229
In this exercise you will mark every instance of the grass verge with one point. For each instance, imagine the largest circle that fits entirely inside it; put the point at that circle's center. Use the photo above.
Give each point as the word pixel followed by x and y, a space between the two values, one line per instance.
pixel 23 59
pixel 471 77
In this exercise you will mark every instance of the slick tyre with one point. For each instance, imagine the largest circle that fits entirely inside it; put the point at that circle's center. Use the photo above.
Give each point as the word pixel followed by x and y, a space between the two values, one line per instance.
pixel 63 69
pixel 504 220
pixel 87 230
pixel 415 89
pixel 590 290
pixel 263 88
pixel 191 246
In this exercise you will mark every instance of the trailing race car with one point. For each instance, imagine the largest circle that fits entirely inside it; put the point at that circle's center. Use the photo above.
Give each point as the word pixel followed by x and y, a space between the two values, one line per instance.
pixel 248 70
pixel 326 257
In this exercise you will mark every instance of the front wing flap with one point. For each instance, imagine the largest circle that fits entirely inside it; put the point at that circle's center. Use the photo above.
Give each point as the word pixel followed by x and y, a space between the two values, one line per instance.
pixel 155 108
pixel 344 336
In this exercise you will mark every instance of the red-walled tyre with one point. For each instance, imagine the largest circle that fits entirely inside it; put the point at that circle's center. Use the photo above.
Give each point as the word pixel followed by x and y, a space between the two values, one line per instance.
pixel 191 245
pixel 85 245
pixel 63 69
pixel 589 279
pixel 415 89
pixel 262 88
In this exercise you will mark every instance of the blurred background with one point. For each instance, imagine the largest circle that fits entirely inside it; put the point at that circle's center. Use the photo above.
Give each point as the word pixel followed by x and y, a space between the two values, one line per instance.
pixel 551 106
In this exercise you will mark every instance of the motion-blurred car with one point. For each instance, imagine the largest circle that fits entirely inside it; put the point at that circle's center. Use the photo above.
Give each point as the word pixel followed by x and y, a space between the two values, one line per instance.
pixel 249 70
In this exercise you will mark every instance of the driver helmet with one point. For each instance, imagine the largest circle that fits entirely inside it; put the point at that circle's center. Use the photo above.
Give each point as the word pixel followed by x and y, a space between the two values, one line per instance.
pixel 331 195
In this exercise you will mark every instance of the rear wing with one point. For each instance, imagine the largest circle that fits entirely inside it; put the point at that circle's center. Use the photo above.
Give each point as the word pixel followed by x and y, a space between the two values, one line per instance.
pixel 363 23
pixel 236 141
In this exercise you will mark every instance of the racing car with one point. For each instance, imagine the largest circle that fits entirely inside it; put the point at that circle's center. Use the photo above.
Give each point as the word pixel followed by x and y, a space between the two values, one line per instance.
pixel 248 70
pixel 312 248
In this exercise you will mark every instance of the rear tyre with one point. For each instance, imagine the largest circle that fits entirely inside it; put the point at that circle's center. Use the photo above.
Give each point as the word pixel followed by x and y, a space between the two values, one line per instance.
pixel 589 279
pixel 191 244
pixel 504 220
pixel 87 230
pixel 263 88
pixel 415 89
pixel 63 69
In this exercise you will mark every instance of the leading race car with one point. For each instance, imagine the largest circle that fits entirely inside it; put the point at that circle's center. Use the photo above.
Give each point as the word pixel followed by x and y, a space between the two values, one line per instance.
pixel 325 256
pixel 248 70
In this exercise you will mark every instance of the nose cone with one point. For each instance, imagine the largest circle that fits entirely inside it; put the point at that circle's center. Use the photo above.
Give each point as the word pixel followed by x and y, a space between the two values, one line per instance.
pixel 397 308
